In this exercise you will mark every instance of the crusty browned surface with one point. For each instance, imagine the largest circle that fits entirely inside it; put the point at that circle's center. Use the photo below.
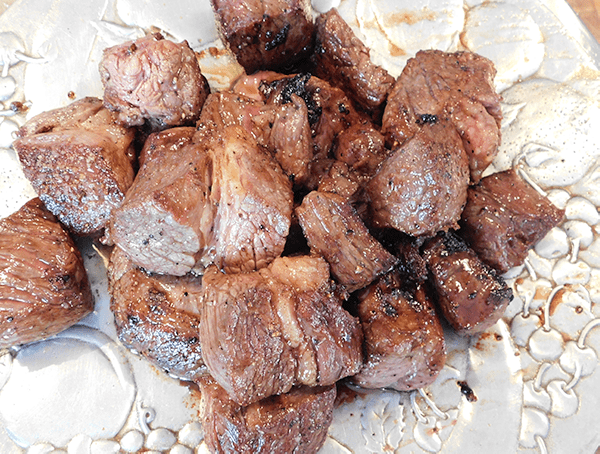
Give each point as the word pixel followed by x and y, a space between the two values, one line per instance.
pixel 294 422
pixel 264 332
pixel 153 80
pixel 79 161
pixel 44 287
pixel 422 187
pixel 157 316
pixel 470 294
pixel 404 340
pixel 266 34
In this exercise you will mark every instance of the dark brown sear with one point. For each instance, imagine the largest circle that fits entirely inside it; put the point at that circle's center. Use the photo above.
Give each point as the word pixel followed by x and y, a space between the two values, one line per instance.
pixel 266 34
pixel 44 288
pixel 504 218
pixel 404 340
pixel 295 422
pixel 153 81
pixel 470 295
pixel 79 161
pixel 157 316
pixel 264 332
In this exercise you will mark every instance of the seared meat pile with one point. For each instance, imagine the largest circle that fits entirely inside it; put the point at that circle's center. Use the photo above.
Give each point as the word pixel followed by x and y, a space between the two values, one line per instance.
pixel 294 422
pixel 44 287
pixel 153 80
pixel 263 216
pixel 266 34
pixel 79 161
pixel 264 332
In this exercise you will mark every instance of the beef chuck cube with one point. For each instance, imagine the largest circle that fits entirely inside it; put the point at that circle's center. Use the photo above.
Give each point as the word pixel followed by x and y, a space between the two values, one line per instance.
pixel 294 422
pixel 157 316
pixel 216 197
pixel 504 218
pixel 266 34
pixel 470 295
pixel 44 288
pixel 340 180
pixel 153 80
pixel 79 162
pixel 362 147
pixel 421 187
pixel 454 86
pixel 343 60
pixel 403 338
pixel 264 332
pixel 335 231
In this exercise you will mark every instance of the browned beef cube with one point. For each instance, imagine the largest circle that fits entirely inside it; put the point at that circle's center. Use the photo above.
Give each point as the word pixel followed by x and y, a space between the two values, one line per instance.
pixel 294 422
pixel 343 60
pixel 44 288
pixel 264 332
pixel 403 337
pixel 334 231
pixel 216 198
pixel 504 218
pixel 153 80
pixel 266 34
pixel 157 315
pixel 341 180
pixel 79 162
pixel 362 147
pixel 470 295
pixel 421 188
pixel 457 87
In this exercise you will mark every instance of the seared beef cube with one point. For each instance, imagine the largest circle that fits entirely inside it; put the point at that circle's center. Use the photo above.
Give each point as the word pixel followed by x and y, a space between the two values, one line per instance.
pixel 264 332
pixel 334 231
pixel 266 34
pixel 340 180
pixel 422 187
pixel 343 60
pixel 157 316
pixel 215 198
pixel 403 337
pixel 44 288
pixel 362 147
pixel 294 422
pixel 504 218
pixel 79 162
pixel 470 295
pixel 457 87
pixel 153 80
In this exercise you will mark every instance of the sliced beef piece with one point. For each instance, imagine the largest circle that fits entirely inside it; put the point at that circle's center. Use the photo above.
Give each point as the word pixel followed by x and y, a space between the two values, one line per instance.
pixel 294 422
pixel 504 218
pixel 422 187
pixel 403 337
pixel 266 34
pixel 216 197
pixel 44 287
pixel 264 332
pixel 155 81
pixel 157 316
pixel 342 59
pixel 470 295
pixel 454 86
pixel 79 161
pixel 334 231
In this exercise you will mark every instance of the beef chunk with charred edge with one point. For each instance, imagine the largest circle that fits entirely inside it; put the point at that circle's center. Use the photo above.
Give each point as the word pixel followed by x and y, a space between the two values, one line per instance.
pixel 342 59
pixel 504 218
pixel 157 316
pixel 153 81
pixel 470 295
pixel 264 332
pixel 294 422
pixel 334 231
pixel 44 288
pixel 266 34
pixel 79 161
pixel 457 87
pixel 403 337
